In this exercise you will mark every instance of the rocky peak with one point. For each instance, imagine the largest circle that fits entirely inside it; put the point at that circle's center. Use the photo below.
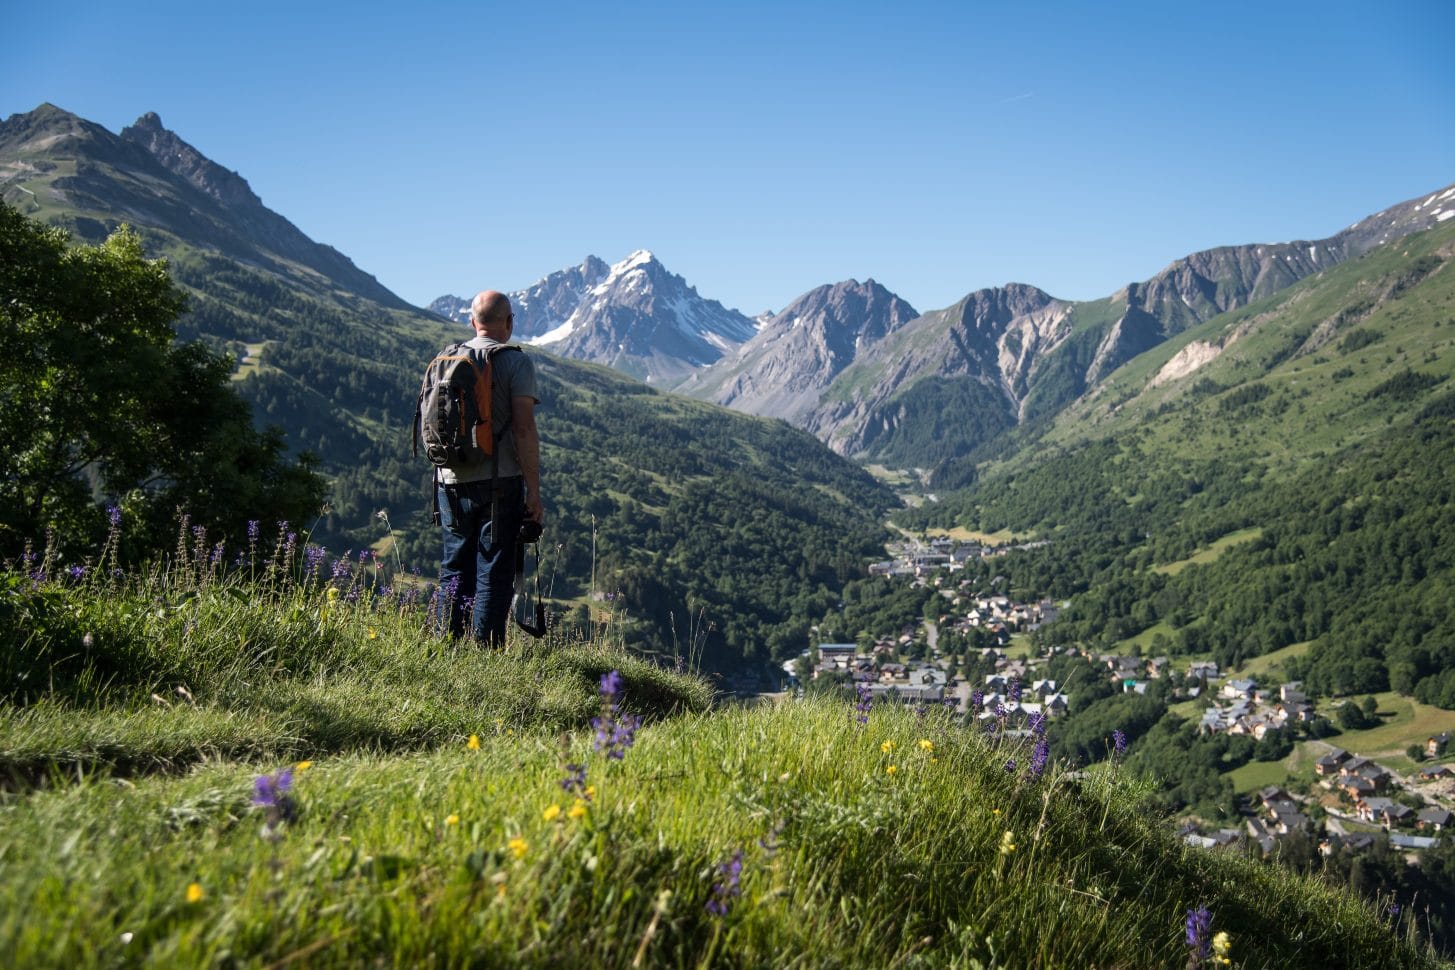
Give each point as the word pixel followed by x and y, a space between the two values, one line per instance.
pixel 180 158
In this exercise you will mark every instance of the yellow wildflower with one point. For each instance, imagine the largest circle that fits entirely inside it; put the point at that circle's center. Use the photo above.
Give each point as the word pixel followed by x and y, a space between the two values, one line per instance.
pixel 1221 944
pixel 995 812
pixel 452 819
pixel 891 770
pixel 194 892
pixel 332 593
pixel 303 766
pixel 590 792
pixel 1007 842
pixel 926 745
pixel 887 747
pixel 518 846
pixel 552 812
pixel 578 810
pixel 474 743
pixel 373 634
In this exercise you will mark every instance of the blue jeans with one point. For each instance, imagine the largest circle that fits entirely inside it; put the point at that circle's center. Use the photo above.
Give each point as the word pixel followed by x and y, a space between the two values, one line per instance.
pixel 477 569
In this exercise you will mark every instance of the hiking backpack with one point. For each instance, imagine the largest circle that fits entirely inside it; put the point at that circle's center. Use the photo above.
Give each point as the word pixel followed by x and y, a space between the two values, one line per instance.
pixel 452 417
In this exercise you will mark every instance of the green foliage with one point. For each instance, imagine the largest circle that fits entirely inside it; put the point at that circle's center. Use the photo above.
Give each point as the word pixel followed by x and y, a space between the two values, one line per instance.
pixel 100 403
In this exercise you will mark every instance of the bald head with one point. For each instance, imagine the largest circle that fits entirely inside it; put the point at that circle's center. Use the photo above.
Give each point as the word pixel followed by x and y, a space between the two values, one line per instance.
pixel 490 314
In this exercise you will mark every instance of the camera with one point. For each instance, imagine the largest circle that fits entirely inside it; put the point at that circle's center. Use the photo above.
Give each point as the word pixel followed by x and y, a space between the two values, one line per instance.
pixel 530 531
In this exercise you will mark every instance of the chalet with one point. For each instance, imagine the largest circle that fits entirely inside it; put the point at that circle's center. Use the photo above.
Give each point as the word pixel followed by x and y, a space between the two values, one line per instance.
pixel 1435 819
pixel 837 654
pixel 1413 843
pixel 1356 788
pixel 1212 721
pixel 1329 763
pixel 1199 669
pixel 1239 689
pixel 1434 747
pixel 1384 811
pixel 1292 692
pixel 1272 794
pixel 1057 704
pixel 1043 688
pixel 1157 667
pixel 892 672
pixel 1435 772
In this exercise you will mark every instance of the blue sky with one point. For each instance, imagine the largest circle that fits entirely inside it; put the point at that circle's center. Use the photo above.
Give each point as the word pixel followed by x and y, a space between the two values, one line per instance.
pixel 761 149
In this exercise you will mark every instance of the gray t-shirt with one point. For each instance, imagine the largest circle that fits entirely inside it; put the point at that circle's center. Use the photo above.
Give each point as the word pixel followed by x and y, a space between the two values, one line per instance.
pixel 513 375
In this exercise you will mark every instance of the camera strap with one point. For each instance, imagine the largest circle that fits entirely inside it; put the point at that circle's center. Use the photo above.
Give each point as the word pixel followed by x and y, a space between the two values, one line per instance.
pixel 529 601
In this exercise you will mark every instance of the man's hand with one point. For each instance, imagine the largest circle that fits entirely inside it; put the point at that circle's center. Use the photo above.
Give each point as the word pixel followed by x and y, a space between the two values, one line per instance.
pixel 534 510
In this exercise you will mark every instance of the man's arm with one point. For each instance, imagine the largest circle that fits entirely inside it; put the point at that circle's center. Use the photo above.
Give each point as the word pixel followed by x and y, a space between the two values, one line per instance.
pixel 528 451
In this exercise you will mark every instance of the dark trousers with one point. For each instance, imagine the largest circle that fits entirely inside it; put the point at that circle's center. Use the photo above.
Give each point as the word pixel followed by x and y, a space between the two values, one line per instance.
pixel 477 569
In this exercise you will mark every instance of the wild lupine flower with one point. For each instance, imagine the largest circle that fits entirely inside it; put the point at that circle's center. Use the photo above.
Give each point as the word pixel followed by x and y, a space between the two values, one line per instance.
pixel 1199 930
pixel 1039 753
pixel 1118 744
pixel 1037 723
pixel 726 888
pixel 1015 691
pixel 863 704
pixel 253 525
pixel 977 700
pixel 1010 766
pixel 575 781
pixel 274 792
pixel 216 557
pixel 615 731
pixel 113 513
pixel 76 572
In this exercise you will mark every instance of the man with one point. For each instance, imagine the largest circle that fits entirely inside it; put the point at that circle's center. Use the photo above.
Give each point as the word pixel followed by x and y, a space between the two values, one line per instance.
pixel 479 527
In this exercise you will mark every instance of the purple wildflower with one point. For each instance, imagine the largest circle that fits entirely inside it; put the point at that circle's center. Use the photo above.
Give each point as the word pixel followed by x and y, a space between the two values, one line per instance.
pixel 615 731
pixel 274 792
pixel 76 572
pixel 726 888
pixel 1118 744
pixel 1039 753
pixel 113 513
pixel 1199 932
pixel 1015 691
pixel 977 700
pixel 863 704
pixel 1010 766
pixel 253 525
pixel 1037 723
pixel 575 781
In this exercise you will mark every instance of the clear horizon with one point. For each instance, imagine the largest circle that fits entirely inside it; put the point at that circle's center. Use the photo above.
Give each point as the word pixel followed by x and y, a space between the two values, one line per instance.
pixel 762 151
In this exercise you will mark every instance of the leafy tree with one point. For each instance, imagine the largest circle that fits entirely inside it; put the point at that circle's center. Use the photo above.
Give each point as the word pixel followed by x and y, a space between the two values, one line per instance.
pixel 99 403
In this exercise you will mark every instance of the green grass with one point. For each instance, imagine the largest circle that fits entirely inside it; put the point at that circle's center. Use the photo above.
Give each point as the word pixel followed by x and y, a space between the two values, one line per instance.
pixel 1404 721
pixel 1269 667
pixel 404 845
pixel 1257 774
pixel 1211 552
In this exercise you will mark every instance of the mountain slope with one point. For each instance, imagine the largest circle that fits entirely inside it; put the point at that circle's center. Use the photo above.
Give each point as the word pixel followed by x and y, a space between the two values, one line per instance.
pixel 796 353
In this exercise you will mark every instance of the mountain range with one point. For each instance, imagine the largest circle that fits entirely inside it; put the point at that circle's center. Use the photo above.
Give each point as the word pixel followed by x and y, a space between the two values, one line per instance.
pixel 859 368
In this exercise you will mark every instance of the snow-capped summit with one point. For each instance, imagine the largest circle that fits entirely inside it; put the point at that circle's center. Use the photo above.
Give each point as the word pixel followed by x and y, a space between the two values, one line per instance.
pixel 633 315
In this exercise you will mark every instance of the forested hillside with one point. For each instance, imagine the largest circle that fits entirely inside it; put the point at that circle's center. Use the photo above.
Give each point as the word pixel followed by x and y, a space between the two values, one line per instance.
pixel 1316 440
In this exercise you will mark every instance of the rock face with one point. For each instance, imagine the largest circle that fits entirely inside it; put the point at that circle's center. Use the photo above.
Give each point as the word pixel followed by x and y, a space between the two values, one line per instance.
pixel 548 304
pixel 783 370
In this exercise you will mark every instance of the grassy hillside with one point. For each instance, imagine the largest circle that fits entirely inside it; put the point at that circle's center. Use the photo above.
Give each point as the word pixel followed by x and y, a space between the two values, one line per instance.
pixel 485 830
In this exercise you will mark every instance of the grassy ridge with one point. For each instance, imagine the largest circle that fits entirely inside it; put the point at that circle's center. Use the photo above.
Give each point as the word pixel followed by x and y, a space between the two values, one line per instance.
pixel 771 836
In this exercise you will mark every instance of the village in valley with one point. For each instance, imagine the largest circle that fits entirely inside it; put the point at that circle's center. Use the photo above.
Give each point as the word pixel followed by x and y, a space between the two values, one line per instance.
pixel 978 660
